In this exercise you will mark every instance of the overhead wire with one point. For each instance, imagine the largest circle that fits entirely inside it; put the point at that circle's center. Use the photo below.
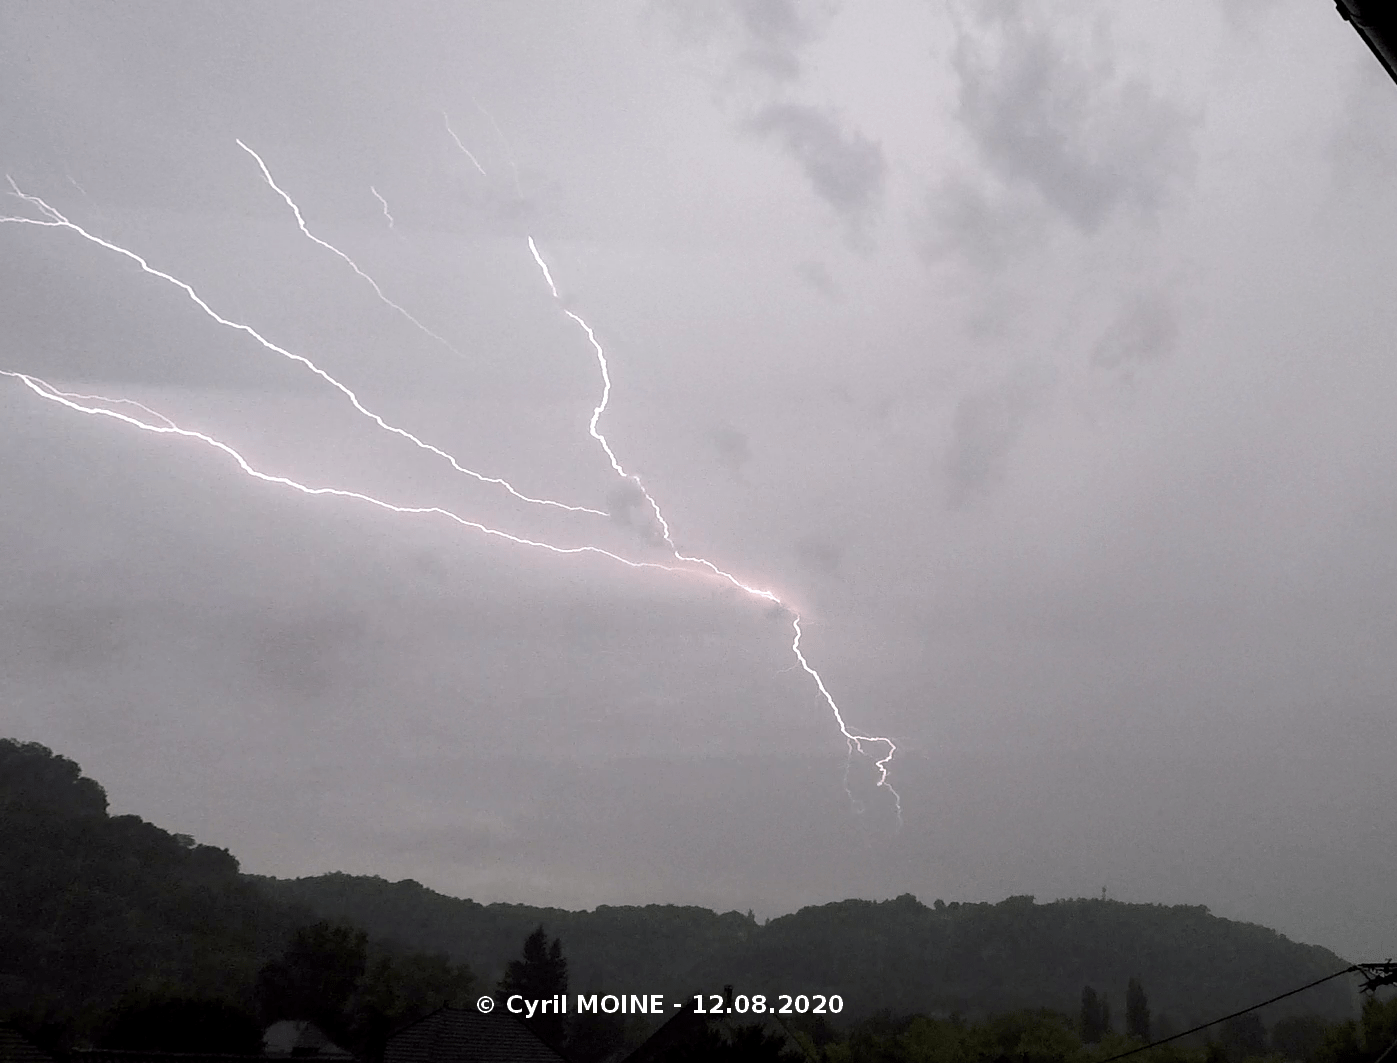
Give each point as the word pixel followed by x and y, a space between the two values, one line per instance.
pixel 1290 993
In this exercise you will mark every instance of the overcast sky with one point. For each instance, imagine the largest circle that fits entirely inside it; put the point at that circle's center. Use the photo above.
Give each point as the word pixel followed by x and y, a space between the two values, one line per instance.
pixel 1044 365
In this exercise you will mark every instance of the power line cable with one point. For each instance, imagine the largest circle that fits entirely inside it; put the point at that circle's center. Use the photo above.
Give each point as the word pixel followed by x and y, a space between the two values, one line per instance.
pixel 1174 1037
pixel 1387 1051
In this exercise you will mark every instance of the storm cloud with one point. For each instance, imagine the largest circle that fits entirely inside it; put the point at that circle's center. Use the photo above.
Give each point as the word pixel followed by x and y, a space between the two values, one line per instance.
pixel 1085 138
pixel 1040 360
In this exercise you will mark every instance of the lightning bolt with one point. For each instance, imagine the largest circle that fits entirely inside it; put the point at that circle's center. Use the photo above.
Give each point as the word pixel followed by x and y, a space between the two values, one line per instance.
pixel 855 741
pixel 504 143
pixel 168 427
pixel 55 392
pixel 465 150
pixel 53 219
pixel 301 221
pixel 382 203
pixel 162 425
pixel 78 403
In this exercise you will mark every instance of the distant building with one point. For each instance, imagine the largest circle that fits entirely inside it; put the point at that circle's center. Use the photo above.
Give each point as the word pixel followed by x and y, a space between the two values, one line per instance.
pixel 690 1028
pixel 16 1048
pixel 286 1040
pixel 299 1039
pixel 464 1035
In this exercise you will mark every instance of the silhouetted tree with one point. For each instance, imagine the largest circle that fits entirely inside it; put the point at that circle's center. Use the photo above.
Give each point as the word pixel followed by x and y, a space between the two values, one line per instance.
pixel 1094 1020
pixel 539 974
pixel 1379 1024
pixel 399 989
pixel 1298 1037
pixel 745 1044
pixel 316 977
pixel 1244 1036
pixel 1137 1011
pixel 592 1038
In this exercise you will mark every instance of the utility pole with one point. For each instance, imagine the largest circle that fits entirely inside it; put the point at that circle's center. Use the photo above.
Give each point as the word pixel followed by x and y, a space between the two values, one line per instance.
pixel 1377 975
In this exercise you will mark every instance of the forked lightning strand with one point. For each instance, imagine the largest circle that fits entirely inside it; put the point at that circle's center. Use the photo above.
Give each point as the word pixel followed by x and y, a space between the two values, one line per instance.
pixel 382 203
pixel 53 219
pixel 504 143
pixel 168 424
pixel 855 741
pixel 77 402
pixel 168 427
pixel 348 261
pixel 465 150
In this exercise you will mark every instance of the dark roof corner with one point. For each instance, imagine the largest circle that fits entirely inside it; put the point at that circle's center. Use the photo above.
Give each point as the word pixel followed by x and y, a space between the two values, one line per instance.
pixel 1376 23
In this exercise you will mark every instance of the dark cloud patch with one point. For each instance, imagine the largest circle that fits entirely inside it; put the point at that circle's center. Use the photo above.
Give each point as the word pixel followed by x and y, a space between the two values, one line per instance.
pixel 1145 330
pixel 1086 139
pixel 310 654
pixel 67 636
pixel 769 34
pixel 1248 18
pixel 819 554
pixel 987 228
pixel 818 277
pixel 733 447
pixel 627 506
pixel 846 169
pixel 987 424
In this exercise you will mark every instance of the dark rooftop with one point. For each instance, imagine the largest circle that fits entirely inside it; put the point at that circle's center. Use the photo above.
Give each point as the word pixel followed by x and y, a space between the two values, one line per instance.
pixel 464 1035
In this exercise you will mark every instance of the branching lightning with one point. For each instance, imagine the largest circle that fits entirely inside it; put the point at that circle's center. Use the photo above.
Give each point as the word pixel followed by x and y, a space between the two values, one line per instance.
pixel 301 221
pixel 53 219
pixel 855 741
pixel 100 406
pixel 465 150
pixel 504 143
pixel 382 203
pixel 168 427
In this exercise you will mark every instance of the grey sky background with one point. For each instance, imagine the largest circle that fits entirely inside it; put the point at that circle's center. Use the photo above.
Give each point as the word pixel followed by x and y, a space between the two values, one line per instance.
pixel 1043 363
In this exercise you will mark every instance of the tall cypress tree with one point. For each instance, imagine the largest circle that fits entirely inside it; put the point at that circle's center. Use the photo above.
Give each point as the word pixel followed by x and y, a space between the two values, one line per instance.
pixel 539 974
pixel 1093 1018
pixel 1137 1011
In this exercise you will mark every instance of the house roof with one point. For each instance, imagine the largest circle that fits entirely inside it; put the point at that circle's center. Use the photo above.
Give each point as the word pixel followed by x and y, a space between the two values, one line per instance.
pixel 16 1048
pixel 464 1035
pixel 297 1037
pixel 688 1022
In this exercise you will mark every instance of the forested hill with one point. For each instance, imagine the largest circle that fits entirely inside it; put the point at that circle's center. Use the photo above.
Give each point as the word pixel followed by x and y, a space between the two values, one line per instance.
pixel 95 908
pixel 900 955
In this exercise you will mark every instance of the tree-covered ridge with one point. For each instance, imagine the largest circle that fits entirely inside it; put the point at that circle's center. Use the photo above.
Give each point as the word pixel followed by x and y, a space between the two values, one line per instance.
pixel 94 907
pixel 109 926
pixel 899 956
pixel 976 959
pixel 657 945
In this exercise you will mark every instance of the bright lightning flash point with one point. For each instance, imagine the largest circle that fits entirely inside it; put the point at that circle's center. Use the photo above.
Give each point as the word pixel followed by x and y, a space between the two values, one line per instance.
pixel 855 741
pixel 53 219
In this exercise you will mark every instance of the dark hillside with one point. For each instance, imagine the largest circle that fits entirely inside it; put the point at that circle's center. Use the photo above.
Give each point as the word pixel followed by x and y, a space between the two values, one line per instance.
pixel 900 955
pixel 97 908
pixel 621 948
pixel 979 959
pixel 93 906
